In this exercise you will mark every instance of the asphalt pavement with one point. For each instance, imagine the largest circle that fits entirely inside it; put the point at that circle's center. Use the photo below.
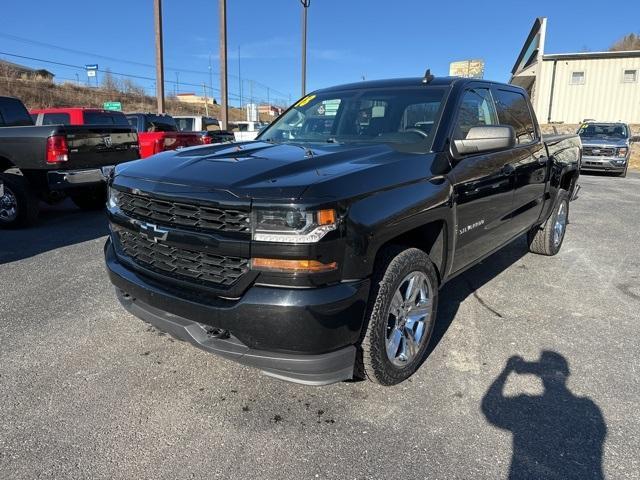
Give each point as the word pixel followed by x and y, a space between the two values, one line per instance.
pixel 88 391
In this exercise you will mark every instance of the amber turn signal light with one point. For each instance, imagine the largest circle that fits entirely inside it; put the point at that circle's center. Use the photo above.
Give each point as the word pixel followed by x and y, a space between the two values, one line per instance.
pixel 292 266
pixel 326 217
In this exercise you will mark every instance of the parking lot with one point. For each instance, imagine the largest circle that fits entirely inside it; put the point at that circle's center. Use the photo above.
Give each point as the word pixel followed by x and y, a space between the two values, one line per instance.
pixel 88 391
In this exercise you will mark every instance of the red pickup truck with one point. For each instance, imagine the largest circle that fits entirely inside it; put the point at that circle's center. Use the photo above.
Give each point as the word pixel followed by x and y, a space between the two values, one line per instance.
pixel 157 133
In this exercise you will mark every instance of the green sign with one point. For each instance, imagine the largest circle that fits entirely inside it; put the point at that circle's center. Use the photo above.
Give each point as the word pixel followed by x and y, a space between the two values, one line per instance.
pixel 112 106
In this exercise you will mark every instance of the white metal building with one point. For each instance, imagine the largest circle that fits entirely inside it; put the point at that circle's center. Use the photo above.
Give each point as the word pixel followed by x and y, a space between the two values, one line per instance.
pixel 572 87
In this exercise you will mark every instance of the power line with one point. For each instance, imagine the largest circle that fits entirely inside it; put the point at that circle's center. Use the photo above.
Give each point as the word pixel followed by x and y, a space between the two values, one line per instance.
pixel 121 60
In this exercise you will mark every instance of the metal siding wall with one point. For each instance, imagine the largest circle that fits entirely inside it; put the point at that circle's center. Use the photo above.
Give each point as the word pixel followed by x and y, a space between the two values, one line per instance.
pixel 604 96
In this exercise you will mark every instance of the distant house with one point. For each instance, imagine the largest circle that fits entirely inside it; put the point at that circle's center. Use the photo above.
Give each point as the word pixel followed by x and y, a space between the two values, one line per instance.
pixel 571 87
pixel 10 69
pixel 270 110
pixel 193 98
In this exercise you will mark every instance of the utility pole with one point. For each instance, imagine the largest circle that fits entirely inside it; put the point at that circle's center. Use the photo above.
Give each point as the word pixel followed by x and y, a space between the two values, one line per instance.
pixel 206 102
pixel 210 76
pixel 268 106
pixel 224 101
pixel 239 77
pixel 157 11
pixel 305 6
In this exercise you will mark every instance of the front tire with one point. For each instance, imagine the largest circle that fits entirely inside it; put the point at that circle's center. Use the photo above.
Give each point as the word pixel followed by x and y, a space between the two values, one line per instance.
pixel 90 199
pixel 401 315
pixel 19 206
pixel 547 240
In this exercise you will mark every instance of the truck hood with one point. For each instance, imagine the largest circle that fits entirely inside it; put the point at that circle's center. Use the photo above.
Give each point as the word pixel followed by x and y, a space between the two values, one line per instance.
pixel 604 142
pixel 260 170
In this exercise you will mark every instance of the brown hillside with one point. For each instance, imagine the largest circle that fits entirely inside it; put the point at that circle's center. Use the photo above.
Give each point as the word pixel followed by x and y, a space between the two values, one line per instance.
pixel 36 93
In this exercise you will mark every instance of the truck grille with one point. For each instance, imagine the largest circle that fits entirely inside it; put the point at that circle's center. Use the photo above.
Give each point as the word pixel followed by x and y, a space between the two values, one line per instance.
pixel 599 151
pixel 179 214
pixel 190 265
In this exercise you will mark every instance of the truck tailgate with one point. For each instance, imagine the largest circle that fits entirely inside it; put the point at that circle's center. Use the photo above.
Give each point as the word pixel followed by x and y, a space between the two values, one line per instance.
pixel 96 146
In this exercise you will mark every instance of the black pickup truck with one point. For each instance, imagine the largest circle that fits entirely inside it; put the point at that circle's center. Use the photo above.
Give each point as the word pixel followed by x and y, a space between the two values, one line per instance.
pixel 51 161
pixel 316 253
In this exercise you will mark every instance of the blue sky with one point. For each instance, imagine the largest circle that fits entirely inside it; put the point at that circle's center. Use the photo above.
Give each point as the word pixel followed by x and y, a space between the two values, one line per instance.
pixel 347 39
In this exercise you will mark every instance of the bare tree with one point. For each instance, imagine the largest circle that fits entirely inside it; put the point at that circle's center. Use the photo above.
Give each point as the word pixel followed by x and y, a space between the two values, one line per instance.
pixel 109 82
pixel 628 42
pixel 129 86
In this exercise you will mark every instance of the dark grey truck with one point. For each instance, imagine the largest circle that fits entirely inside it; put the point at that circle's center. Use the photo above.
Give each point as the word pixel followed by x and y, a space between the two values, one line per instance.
pixel 51 162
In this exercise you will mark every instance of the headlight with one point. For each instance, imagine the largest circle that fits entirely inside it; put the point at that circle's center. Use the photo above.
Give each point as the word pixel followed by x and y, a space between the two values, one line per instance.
pixel 292 226
pixel 622 152
pixel 112 198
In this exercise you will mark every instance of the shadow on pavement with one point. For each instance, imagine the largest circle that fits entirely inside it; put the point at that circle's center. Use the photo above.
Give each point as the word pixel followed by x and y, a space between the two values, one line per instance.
pixel 58 226
pixel 555 434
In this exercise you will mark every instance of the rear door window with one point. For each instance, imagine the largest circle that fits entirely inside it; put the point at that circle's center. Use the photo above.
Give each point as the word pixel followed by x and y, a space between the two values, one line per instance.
pixel 14 114
pixel 513 110
pixel 476 110
pixel 56 119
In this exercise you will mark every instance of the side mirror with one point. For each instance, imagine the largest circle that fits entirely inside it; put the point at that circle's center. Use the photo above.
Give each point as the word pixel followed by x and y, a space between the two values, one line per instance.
pixel 486 139
pixel 635 139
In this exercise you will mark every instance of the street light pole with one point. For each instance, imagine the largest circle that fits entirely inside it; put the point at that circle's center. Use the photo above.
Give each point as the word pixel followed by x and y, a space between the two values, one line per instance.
pixel 305 6
pixel 157 11
pixel 224 110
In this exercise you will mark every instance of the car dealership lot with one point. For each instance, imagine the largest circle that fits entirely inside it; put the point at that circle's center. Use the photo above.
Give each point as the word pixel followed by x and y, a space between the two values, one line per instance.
pixel 88 391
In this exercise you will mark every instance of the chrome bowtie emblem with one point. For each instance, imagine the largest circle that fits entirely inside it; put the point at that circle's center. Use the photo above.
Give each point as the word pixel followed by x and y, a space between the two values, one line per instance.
pixel 152 232
pixel 595 150
pixel 108 141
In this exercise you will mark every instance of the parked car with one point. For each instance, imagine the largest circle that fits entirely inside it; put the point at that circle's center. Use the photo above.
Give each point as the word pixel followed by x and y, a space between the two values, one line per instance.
pixel 77 116
pixel 606 147
pixel 316 253
pixel 159 133
pixel 49 162
pixel 208 127
pixel 246 131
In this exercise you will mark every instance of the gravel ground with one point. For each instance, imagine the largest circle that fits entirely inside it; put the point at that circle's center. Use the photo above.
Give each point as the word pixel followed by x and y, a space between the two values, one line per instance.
pixel 88 391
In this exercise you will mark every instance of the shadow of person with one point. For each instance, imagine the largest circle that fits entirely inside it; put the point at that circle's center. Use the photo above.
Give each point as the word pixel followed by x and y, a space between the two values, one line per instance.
pixel 555 435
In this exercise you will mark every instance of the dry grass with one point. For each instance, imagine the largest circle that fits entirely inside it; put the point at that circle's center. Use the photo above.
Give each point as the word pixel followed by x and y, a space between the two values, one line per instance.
pixel 45 94
pixel 634 162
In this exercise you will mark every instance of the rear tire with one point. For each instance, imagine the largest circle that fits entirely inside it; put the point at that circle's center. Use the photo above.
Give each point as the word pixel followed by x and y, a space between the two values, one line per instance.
pixel 91 199
pixel 404 288
pixel 19 206
pixel 547 239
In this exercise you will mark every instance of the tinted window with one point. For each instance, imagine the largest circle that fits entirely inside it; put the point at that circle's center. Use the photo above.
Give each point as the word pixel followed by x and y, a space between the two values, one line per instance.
pixel 13 113
pixel 160 123
pixel 133 121
pixel 34 117
pixel 185 124
pixel 56 119
pixel 513 110
pixel 105 118
pixel 476 110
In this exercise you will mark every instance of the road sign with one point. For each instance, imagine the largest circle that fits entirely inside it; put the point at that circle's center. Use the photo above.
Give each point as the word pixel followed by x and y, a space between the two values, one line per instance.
pixel 117 106
pixel 91 69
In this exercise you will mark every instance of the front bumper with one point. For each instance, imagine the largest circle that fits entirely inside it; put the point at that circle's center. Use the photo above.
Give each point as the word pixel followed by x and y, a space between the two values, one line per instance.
pixel 604 164
pixel 304 335
pixel 67 179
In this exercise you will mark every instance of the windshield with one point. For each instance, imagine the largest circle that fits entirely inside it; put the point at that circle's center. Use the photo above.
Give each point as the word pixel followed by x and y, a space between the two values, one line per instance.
pixel 399 116
pixel 603 130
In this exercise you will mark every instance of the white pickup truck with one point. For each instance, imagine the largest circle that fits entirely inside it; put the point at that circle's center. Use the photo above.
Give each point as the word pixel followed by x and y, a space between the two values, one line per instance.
pixel 244 131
